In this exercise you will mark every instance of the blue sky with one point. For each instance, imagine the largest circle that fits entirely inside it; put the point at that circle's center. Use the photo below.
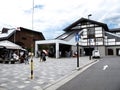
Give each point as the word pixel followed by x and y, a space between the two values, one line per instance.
pixel 52 16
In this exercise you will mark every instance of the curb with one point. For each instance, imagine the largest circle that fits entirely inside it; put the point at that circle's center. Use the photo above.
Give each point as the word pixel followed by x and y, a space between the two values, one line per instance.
pixel 68 77
pixel 1 88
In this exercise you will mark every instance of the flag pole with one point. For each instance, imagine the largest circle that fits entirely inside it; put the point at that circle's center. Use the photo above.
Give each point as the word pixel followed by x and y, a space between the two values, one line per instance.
pixel 32 75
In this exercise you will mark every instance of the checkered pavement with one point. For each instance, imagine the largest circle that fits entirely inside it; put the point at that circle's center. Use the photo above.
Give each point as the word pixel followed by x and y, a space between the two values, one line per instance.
pixel 17 76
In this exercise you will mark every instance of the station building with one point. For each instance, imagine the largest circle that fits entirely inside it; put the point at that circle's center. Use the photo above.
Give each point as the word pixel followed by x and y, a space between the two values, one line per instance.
pixel 90 35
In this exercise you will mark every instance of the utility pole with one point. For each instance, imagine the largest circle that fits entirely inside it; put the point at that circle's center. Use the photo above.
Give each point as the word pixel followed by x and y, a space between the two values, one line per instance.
pixel 89 38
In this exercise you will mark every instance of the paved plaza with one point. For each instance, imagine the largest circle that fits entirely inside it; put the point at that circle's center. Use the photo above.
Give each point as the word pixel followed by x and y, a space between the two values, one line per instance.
pixel 17 76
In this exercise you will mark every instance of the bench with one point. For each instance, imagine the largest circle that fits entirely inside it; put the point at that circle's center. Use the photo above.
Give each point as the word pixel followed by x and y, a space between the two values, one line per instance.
pixel 13 61
pixel 1 60
pixel 6 61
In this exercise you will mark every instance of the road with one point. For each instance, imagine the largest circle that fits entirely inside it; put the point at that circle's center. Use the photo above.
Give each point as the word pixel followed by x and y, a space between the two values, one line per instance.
pixel 104 75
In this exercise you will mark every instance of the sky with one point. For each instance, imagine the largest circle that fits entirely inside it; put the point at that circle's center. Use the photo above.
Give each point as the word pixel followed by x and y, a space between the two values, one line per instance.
pixel 51 16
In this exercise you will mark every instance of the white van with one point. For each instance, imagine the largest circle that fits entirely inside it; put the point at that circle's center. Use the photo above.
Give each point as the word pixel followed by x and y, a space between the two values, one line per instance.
pixel 95 54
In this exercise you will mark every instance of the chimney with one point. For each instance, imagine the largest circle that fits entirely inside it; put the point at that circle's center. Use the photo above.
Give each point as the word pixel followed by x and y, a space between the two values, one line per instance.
pixel 5 30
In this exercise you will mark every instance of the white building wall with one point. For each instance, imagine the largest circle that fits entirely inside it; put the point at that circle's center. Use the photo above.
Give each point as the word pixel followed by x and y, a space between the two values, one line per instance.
pixel 102 50
pixel 74 49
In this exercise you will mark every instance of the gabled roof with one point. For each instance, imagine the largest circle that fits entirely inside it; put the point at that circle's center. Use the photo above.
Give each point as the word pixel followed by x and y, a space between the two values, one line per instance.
pixel 12 30
pixel 21 28
pixel 84 20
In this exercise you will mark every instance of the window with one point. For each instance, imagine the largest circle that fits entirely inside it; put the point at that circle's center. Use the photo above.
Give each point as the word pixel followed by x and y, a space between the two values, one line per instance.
pixel 24 38
pixel 99 35
pixel 98 32
pixel 111 41
pixel 98 29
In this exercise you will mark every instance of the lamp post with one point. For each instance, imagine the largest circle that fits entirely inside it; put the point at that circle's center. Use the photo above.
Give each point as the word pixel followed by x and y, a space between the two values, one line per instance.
pixel 77 40
pixel 77 55
pixel 89 38
pixel 89 16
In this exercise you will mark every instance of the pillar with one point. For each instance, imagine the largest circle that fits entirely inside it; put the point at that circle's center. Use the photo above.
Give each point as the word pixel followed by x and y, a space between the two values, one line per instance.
pixel 57 50
pixel 36 49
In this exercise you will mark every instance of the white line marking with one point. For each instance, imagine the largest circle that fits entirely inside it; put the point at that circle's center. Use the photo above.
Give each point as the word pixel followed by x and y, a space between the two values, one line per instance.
pixel 105 67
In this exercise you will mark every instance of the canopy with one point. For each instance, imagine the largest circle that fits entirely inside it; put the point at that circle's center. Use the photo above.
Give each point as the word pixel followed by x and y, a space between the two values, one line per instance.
pixel 9 45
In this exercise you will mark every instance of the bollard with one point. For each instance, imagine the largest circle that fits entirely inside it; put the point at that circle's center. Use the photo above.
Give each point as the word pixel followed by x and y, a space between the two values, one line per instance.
pixel 31 69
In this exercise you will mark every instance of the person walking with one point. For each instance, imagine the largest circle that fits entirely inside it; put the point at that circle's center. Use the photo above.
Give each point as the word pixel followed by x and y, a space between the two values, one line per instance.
pixel 43 56
pixel 15 56
pixel 26 60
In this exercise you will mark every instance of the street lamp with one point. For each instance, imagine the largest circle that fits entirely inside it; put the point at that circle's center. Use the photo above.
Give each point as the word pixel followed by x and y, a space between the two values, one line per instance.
pixel 89 15
pixel 77 40
pixel 89 37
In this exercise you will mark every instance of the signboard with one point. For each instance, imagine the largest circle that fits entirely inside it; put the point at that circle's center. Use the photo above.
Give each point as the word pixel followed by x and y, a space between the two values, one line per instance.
pixel 77 36
pixel 2 47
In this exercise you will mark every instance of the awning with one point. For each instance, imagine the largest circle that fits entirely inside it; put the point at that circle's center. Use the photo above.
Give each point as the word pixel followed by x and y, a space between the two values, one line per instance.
pixel 2 47
pixel 9 45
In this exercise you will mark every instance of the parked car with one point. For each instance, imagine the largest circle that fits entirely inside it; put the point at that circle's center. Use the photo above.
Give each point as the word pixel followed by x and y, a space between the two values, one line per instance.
pixel 95 54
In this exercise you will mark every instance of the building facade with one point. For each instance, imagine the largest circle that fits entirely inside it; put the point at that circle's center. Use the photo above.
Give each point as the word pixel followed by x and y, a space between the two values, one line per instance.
pixel 92 35
pixel 21 36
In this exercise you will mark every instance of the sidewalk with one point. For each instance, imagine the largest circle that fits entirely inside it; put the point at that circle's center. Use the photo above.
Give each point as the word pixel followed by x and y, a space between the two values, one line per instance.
pixel 17 76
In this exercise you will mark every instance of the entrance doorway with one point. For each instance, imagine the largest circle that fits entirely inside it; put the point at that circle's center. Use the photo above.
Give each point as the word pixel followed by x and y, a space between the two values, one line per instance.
pixel 88 51
pixel 118 51
pixel 65 50
pixel 110 51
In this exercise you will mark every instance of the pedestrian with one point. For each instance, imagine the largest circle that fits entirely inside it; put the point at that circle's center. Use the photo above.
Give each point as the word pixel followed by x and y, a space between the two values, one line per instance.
pixel 26 60
pixel 43 56
pixel 38 53
pixel 22 56
pixel 15 56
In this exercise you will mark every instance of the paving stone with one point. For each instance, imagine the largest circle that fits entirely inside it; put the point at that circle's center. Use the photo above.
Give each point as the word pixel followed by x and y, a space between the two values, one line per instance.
pixel 17 76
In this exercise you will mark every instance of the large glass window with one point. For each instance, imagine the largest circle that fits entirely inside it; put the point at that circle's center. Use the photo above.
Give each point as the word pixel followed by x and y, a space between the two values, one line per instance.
pixel 111 41
pixel 98 32
pixel 99 35
pixel 91 33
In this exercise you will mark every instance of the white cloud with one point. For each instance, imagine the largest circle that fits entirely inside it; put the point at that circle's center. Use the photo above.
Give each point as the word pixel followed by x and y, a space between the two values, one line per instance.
pixel 12 12
pixel 52 16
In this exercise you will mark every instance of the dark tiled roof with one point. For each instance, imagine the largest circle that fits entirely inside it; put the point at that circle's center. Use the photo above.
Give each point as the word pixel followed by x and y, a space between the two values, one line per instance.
pixel 115 30
pixel 21 28
pixel 82 20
